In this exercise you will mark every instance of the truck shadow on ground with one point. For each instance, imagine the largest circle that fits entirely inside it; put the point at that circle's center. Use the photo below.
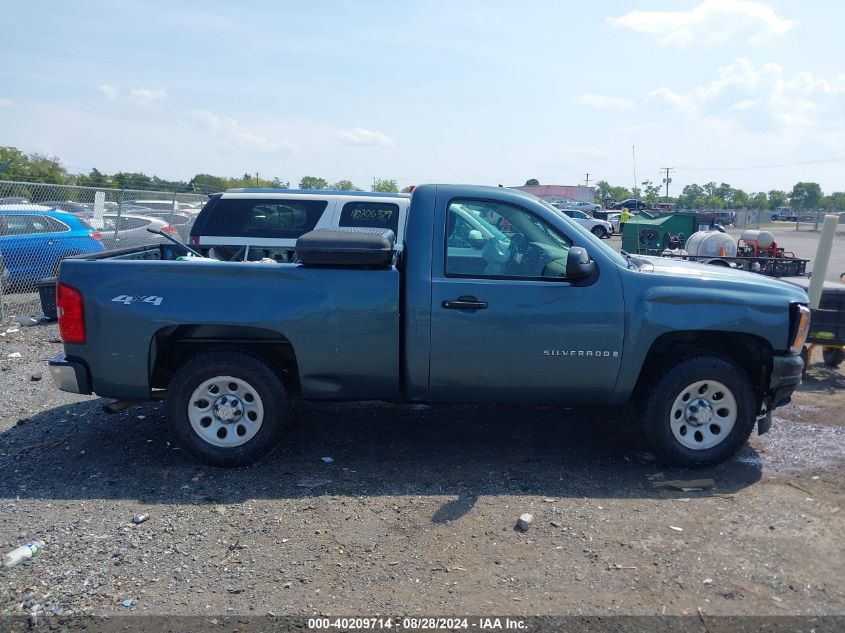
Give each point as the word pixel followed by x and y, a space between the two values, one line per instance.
pixel 463 451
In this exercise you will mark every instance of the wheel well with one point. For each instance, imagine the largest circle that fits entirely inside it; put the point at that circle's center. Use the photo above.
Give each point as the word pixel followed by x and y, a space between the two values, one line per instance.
pixel 173 346
pixel 752 353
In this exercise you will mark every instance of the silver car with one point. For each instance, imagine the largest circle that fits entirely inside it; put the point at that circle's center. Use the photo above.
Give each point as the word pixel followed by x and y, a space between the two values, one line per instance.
pixel 129 230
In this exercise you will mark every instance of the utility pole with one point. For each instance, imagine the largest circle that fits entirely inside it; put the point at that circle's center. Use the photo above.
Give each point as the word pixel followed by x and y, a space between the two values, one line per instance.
pixel 667 179
pixel 634 157
pixel 587 182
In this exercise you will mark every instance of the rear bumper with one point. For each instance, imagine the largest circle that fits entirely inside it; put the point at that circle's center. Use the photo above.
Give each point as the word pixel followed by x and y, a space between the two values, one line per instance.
pixel 70 375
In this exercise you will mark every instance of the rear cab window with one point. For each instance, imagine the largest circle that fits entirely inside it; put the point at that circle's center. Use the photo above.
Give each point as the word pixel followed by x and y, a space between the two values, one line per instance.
pixel 378 215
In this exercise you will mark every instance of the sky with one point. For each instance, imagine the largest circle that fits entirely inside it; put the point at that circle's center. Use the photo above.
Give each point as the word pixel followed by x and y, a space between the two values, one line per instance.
pixel 741 91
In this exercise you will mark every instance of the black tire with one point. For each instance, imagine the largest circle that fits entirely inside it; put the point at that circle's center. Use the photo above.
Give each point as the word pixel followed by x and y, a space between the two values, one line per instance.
pixel 672 382
pixel 833 356
pixel 263 380
pixel 599 232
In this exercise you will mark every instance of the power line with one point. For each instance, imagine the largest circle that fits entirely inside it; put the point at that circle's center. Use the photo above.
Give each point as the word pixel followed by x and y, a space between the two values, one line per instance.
pixel 587 180
pixel 771 166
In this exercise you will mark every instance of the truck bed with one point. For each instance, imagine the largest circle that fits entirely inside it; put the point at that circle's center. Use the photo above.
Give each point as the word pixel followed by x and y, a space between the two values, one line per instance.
pixel 346 320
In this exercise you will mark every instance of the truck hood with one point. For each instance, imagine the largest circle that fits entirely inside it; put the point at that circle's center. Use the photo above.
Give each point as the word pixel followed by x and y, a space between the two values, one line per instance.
pixel 718 277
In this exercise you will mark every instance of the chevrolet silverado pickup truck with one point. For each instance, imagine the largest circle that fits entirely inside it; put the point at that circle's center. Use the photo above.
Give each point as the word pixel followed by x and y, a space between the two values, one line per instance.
pixel 495 297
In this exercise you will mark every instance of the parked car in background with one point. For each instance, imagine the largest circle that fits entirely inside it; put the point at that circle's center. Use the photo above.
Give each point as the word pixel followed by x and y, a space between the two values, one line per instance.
pixel 65 205
pixel 14 200
pixel 587 207
pixel 599 228
pixel 256 223
pixel 613 218
pixel 181 221
pixel 34 239
pixel 131 230
pixel 162 205
pixel 784 213
pixel 632 204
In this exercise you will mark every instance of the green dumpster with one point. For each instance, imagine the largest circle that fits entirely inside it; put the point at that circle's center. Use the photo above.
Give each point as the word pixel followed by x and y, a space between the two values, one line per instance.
pixel 650 233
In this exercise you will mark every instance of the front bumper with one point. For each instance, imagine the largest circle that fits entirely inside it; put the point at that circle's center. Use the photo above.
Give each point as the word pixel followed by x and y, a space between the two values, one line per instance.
pixel 70 375
pixel 786 376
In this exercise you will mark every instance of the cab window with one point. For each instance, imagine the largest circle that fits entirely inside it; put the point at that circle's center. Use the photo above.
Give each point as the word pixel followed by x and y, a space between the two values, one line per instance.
pixel 492 239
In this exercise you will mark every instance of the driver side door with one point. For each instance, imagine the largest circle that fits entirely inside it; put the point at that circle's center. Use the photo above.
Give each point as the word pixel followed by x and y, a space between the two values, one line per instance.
pixel 506 323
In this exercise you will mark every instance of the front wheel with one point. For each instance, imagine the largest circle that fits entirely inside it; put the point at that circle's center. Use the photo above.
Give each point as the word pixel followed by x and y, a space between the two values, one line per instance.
pixel 700 411
pixel 226 408
pixel 599 232
pixel 833 356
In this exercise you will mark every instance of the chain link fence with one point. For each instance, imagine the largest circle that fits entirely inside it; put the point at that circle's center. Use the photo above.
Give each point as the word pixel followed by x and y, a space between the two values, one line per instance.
pixel 41 224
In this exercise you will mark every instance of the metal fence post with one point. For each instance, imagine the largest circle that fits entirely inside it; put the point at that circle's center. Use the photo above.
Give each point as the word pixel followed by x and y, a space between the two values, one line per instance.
pixel 120 203
pixel 172 208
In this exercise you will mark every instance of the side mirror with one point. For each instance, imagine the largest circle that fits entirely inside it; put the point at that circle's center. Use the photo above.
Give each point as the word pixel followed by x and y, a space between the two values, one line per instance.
pixel 578 264
pixel 476 238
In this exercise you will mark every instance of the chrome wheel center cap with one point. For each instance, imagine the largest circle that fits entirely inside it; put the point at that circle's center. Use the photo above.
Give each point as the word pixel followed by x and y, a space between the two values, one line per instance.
pixel 699 412
pixel 228 408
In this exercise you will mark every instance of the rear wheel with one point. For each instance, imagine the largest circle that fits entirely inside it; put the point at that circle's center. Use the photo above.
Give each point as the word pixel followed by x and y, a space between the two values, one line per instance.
pixel 599 232
pixel 700 411
pixel 226 408
pixel 833 356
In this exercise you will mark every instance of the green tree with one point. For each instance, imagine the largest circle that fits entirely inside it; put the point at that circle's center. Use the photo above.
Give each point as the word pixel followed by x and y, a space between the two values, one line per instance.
pixel 532 182
pixel 777 198
pixel 385 186
pixel 834 201
pixel 738 198
pixel 692 197
pixel 651 192
pixel 310 182
pixel 604 192
pixel 15 165
pixel 345 185
pixel 758 200
pixel 806 195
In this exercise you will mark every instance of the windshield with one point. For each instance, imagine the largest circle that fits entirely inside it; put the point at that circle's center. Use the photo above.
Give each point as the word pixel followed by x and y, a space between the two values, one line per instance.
pixel 597 242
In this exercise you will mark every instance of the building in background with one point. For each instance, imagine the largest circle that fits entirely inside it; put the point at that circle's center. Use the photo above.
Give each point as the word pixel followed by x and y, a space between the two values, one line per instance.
pixel 579 193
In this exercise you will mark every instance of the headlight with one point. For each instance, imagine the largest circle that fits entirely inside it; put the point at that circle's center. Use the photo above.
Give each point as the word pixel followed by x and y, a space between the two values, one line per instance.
pixel 801 331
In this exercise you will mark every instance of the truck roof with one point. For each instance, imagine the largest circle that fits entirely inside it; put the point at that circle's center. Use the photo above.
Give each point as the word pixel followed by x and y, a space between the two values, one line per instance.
pixel 319 192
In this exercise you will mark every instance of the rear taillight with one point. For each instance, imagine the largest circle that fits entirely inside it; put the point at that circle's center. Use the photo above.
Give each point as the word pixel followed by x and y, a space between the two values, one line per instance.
pixel 170 229
pixel 71 314
pixel 194 240
pixel 95 235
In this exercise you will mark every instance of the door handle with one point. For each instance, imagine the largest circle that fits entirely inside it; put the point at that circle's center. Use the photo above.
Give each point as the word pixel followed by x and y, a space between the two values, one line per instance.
pixel 464 303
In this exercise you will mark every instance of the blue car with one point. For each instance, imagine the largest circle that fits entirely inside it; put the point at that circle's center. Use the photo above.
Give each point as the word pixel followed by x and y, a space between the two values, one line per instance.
pixel 34 239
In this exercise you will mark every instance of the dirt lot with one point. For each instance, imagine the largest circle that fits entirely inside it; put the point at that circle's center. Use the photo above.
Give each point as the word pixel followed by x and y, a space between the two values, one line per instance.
pixel 415 514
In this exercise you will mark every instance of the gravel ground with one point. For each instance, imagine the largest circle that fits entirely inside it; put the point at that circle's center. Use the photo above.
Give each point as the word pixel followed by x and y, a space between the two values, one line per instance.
pixel 416 514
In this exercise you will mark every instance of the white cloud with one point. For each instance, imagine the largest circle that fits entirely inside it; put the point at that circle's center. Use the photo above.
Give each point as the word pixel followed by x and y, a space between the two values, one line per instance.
pixel 742 86
pixel 362 136
pixel 229 133
pixel 6 103
pixel 145 96
pixel 603 102
pixel 110 92
pixel 745 104
pixel 712 20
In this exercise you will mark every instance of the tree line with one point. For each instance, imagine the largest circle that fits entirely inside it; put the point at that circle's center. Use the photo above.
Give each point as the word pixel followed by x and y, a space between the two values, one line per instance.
pixel 38 168
pixel 804 195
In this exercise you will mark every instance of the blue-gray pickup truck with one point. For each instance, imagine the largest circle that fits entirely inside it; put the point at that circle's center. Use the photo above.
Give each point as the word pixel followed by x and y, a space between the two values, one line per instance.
pixel 495 297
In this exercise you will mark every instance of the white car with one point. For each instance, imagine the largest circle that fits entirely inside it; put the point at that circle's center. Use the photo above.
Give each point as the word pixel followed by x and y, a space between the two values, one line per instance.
pixel 613 218
pixel 585 206
pixel 599 228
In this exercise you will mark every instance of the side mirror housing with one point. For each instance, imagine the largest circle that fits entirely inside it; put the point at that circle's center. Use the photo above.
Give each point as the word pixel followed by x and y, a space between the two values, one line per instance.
pixel 476 238
pixel 578 264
